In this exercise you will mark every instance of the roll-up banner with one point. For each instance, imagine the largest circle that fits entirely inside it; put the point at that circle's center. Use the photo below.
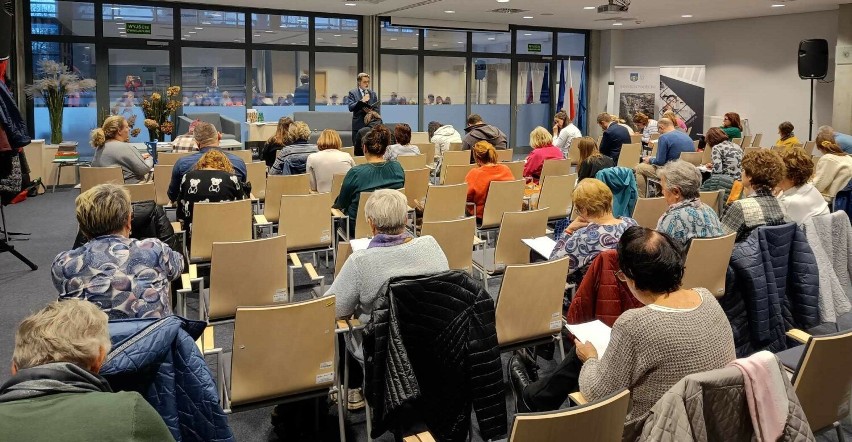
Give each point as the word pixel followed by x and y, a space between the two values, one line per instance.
pixel 637 89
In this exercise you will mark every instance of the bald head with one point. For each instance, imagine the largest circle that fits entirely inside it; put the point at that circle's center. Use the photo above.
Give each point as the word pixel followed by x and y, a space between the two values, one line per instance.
pixel 665 125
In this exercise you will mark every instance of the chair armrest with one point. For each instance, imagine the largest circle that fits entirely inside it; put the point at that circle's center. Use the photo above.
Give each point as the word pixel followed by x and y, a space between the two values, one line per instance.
pixel 177 227
pixel 347 325
pixel 477 240
pixel 312 272
pixel 231 126
pixel 297 263
pixel 578 398
pixel 187 278
pixel 261 220
pixel 337 213
pixel 798 335
pixel 420 437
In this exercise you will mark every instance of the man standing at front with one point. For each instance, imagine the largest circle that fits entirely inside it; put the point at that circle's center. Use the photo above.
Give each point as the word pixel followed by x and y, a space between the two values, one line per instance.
pixel 361 100
pixel 670 145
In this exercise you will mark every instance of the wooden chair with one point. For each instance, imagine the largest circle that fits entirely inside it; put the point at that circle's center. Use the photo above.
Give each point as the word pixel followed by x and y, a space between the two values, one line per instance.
pixel 419 138
pixel 455 238
pixel 707 263
pixel 92 176
pixel 359 160
pixel 809 147
pixel 655 137
pixel 746 141
pixel 630 155
pixel 416 184
pixel 454 158
pixel 517 168
pixel 170 158
pixel 746 150
pixel 362 229
pixel 304 220
pixel 141 192
pixel 574 151
pixel 277 185
pixel 707 155
pixel 227 221
pixel 456 174
pixel 256 175
pixel 336 185
pixel 696 143
pixel 600 421
pixel 649 210
pixel 444 203
pixel 503 196
pixel 822 379
pixel 557 195
pixel 693 158
pixel 304 356
pixel 243 154
pixel 509 250
pixel 427 149
pixel 757 140
pixel 738 141
pixel 505 155
pixel 636 139
pixel 555 167
pixel 162 179
pixel 350 150
pixel 528 310
pixel 411 162
pixel 714 200
pixel 455 147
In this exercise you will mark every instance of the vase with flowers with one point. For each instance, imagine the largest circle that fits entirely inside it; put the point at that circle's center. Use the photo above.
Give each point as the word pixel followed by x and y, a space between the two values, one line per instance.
pixel 159 109
pixel 55 83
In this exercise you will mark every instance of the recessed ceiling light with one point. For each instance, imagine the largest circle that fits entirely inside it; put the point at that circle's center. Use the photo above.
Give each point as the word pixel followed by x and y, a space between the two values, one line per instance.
pixel 236 40
pixel 350 4
pixel 778 6
pixel 528 16
pixel 460 42
pixel 414 47
pixel 686 16
pixel 393 39
pixel 198 29
pixel 617 24
pixel 502 1
pixel 192 32
pixel 450 12
pixel 269 31
pixel 354 43
pixel 120 24
pixel 492 38
pixel 257 35
pixel 205 23
pixel 589 8
pixel 115 8
pixel 319 38
pixel 434 45
pixel 122 18
pixel 527 34
pixel 338 35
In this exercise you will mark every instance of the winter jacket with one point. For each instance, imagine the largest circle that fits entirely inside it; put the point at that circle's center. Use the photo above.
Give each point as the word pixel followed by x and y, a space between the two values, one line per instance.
pixel 484 132
pixel 830 238
pixel 149 221
pixel 432 356
pixel 443 137
pixel 622 182
pixel 11 120
pixel 159 359
pixel 601 295
pixel 712 406
pixel 292 159
pixel 772 285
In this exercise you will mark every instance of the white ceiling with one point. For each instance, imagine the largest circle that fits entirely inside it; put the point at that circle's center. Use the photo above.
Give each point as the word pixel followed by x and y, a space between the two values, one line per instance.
pixel 552 13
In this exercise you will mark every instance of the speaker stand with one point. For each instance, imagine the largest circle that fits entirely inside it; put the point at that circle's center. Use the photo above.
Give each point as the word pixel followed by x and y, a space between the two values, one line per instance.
pixel 811 125
pixel 6 247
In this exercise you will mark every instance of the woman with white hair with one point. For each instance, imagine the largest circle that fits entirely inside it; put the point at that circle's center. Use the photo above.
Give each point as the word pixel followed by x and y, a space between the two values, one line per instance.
pixel 392 252
pixel 687 217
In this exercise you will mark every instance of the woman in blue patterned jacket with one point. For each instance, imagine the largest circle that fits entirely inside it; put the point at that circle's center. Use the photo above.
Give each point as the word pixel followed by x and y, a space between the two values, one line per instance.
pixel 687 217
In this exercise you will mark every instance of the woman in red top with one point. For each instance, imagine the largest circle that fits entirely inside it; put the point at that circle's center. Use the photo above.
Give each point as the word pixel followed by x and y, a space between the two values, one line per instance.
pixel 543 149
pixel 480 178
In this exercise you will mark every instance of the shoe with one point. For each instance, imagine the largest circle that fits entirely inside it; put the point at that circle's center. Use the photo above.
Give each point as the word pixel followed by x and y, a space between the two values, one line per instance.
pixel 356 400
pixel 519 380
pixel 529 363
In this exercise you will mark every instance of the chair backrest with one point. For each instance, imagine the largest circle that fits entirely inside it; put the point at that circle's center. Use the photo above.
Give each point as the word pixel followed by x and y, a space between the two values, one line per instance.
pixel 515 227
pixel 445 203
pixel 336 185
pixel 636 138
pixel 707 155
pixel 170 158
pixel 696 143
pixel 277 185
pixel 359 160
pixel 92 176
pixel 757 140
pixel 362 229
pixel 529 305
pixel 555 167
pixel 746 141
pixel 601 421
pixel 236 279
pixel 455 147
pixel 823 379
pixel 456 174
pixel 218 222
pixel 243 154
pixel 574 151
pixel 456 240
pixel 738 142
pixel 454 158
pixel 350 150
pixel 427 149
pixel 505 155
pixel 649 210
pixel 557 195
pixel 809 147
pixel 344 249
pixel 707 263
pixel 141 192
pixel 746 150
pixel 655 137
pixel 713 199
pixel 162 179
pixel 303 356
pixel 416 184
pixel 629 156
pixel 256 175
pixel 517 168
pixel 411 162
pixel 693 158
pixel 503 196
pixel 419 138
pixel 305 220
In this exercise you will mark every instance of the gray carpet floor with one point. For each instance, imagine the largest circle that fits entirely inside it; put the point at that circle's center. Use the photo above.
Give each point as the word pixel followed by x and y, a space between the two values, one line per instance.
pixel 50 220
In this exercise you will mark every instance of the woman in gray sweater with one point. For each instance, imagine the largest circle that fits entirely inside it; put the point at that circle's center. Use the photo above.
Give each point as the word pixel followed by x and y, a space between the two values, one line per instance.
pixel 678 332
pixel 112 149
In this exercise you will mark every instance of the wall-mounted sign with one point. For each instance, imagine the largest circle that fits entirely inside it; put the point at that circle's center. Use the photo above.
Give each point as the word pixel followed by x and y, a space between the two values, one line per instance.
pixel 138 28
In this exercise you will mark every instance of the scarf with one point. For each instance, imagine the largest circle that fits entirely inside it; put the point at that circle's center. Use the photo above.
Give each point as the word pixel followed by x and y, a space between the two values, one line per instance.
pixel 53 378
pixel 385 240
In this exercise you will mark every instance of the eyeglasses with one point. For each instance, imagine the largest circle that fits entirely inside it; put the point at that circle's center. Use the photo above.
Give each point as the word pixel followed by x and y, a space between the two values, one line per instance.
pixel 726 119
pixel 620 275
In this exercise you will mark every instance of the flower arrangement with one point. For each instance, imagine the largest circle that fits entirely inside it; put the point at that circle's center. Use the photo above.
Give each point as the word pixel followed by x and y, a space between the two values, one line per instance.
pixel 54 85
pixel 159 112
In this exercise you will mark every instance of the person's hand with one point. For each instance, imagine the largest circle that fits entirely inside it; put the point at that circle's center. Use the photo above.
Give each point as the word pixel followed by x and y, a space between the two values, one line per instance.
pixel 646 160
pixel 556 129
pixel 366 98
pixel 585 350
pixel 577 224
pixel 145 156
pixel 709 165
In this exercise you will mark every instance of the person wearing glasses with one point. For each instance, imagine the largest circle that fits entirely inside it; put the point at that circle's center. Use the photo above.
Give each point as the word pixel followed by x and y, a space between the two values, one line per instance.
pixel 679 331
pixel 732 125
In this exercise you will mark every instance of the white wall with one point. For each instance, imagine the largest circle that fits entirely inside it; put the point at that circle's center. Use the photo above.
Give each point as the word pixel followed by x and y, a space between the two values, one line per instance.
pixel 751 65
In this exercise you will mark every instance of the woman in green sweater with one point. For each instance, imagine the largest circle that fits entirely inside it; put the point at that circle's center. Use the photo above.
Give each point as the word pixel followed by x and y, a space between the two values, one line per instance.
pixel 732 125
pixel 375 174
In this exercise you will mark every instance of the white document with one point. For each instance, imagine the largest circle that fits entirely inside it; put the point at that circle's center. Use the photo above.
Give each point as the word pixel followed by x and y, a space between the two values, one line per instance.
pixel 595 332
pixel 359 243
pixel 542 245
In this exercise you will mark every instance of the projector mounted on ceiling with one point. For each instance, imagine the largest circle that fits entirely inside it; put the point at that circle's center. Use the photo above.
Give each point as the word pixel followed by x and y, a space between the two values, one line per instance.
pixel 614 7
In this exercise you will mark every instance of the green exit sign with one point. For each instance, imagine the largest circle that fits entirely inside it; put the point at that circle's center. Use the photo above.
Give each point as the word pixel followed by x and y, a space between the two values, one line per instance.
pixel 534 47
pixel 138 28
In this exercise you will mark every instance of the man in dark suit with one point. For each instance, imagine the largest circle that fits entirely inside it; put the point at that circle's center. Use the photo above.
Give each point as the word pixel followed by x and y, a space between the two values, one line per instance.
pixel 302 94
pixel 613 137
pixel 361 100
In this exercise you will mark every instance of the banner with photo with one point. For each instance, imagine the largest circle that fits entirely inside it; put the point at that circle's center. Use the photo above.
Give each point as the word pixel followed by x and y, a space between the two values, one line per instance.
pixel 637 89
pixel 682 91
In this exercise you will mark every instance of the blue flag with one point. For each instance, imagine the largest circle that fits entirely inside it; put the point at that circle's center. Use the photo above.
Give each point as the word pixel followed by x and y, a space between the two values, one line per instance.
pixel 544 97
pixel 560 100
pixel 581 102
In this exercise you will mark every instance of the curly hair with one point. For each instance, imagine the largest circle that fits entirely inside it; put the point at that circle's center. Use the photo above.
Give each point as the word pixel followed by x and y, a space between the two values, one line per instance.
pixel 377 140
pixel 640 118
pixel 299 131
pixel 402 134
pixel 799 167
pixel 764 169
pixel 214 159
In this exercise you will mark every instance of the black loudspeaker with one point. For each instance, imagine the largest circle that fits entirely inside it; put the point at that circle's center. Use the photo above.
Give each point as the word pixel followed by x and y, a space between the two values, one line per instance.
pixel 813 59
pixel 480 69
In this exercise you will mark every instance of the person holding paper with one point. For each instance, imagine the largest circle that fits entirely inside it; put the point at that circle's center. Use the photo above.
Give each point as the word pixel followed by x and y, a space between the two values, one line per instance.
pixel 678 332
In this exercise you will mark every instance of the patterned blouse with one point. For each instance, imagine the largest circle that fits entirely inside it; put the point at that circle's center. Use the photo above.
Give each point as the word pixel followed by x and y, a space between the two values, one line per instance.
pixel 209 186
pixel 727 159
pixel 759 209
pixel 586 243
pixel 126 278
pixel 689 219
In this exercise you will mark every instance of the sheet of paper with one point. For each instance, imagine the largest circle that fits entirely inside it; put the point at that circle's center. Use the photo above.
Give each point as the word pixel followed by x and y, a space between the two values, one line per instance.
pixel 595 332
pixel 542 245
pixel 359 243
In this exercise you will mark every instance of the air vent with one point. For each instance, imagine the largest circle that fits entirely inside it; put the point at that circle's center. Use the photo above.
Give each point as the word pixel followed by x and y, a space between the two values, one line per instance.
pixel 508 10
pixel 617 19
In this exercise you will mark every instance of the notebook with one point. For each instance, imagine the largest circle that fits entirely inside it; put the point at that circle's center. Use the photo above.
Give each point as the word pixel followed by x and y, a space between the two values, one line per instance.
pixel 542 245
pixel 595 332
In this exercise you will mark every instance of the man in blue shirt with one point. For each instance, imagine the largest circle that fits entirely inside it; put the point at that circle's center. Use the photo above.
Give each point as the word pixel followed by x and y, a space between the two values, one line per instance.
pixel 614 137
pixel 207 137
pixel 671 144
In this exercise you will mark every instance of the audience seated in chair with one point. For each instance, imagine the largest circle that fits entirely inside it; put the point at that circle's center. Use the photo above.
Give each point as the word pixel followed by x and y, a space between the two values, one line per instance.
pixel 112 149
pixel 798 198
pixel 762 171
pixel 441 136
pixel 149 220
pixel 292 159
pixel 402 135
pixel 834 168
pixel 542 149
pixel 687 217
pixel 211 180
pixel 680 331
pixel 124 277
pixel 329 161
pixel 477 130
pixel 55 390
pixel 591 161
pixel 208 139
pixel 276 142
pixel 726 162
pixel 479 179
pixel 671 144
